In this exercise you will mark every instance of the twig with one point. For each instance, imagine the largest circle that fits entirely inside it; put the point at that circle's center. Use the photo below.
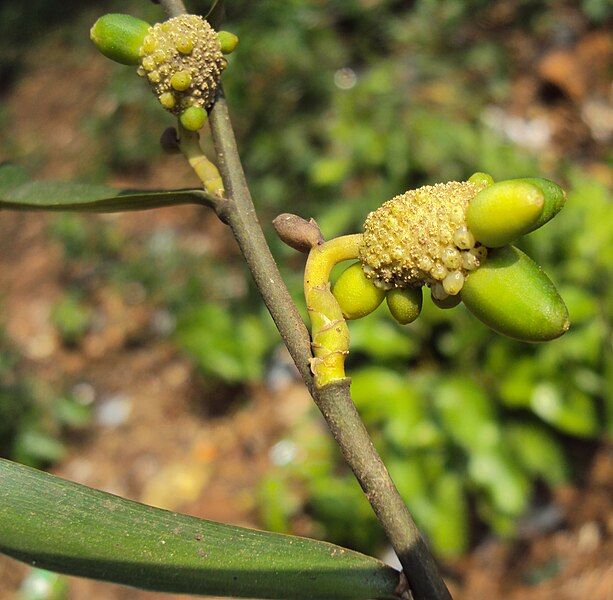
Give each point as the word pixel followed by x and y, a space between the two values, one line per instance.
pixel 334 401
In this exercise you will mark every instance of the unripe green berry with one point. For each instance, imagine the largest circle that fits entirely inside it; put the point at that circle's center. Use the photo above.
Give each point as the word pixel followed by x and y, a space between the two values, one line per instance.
pixel 357 295
pixel 554 195
pixel 193 118
pixel 512 295
pixel 181 81
pixel 405 305
pixel 509 209
pixel 228 41
pixel 504 211
pixel 119 37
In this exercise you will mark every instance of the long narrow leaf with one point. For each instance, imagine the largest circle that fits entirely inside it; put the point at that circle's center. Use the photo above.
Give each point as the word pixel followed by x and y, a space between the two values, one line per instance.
pixel 17 192
pixel 73 529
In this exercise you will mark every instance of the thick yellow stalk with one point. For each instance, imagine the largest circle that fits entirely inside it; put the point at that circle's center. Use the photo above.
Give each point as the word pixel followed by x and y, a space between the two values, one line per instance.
pixel 329 331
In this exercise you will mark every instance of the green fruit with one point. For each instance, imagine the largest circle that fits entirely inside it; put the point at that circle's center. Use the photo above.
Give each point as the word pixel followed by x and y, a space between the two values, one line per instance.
pixel 357 295
pixel 503 212
pixel 193 118
pixel 119 37
pixel 512 295
pixel 228 41
pixel 554 195
pixel 509 209
pixel 405 305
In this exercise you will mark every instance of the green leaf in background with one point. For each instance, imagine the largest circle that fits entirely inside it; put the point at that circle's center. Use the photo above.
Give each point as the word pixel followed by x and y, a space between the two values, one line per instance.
pixel 467 414
pixel 538 452
pixel 506 487
pixel 226 345
pixel 450 523
pixel 17 192
pixel 72 529
pixel 570 411
pixel 382 339
pixel 33 447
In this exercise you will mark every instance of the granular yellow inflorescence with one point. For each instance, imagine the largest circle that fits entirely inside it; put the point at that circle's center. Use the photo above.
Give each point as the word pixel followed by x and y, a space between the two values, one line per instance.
pixel 421 238
pixel 183 62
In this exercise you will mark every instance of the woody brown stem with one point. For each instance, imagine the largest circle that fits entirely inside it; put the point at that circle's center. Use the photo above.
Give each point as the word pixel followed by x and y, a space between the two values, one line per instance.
pixel 333 400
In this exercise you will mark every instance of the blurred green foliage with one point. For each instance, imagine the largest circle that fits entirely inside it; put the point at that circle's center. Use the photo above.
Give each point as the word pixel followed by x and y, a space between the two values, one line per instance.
pixel 34 418
pixel 44 585
pixel 340 105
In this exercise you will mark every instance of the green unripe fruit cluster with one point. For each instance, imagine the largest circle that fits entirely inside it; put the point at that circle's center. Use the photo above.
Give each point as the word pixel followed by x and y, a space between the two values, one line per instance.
pixel 455 239
pixel 181 58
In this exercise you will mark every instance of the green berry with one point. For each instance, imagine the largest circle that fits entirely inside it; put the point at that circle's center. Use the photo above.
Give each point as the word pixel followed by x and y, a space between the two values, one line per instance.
pixel 119 37
pixel 504 211
pixel 554 195
pixel 405 305
pixel 228 41
pixel 509 209
pixel 356 294
pixel 181 81
pixel 193 118
pixel 512 295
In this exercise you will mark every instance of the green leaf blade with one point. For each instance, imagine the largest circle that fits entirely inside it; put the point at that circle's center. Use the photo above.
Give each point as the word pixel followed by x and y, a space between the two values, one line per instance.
pixel 19 193
pixel 69 528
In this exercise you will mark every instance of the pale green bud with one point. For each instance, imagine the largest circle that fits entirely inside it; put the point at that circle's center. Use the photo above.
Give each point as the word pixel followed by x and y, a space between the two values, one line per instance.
pixel 483 180
pixel 405 304
pixel 119 37
pixel 512 295
pixel 357 295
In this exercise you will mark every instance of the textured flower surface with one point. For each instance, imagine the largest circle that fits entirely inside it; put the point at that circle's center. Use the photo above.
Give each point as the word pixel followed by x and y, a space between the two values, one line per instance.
pixel 421 238
pixel 182 60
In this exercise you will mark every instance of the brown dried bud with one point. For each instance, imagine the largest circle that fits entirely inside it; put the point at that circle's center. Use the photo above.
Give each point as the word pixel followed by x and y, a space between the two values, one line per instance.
pixel 298 233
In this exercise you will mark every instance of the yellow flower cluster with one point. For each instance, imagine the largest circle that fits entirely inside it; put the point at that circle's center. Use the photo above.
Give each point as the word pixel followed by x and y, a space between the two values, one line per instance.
pixel 421 238
pixel 183 61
